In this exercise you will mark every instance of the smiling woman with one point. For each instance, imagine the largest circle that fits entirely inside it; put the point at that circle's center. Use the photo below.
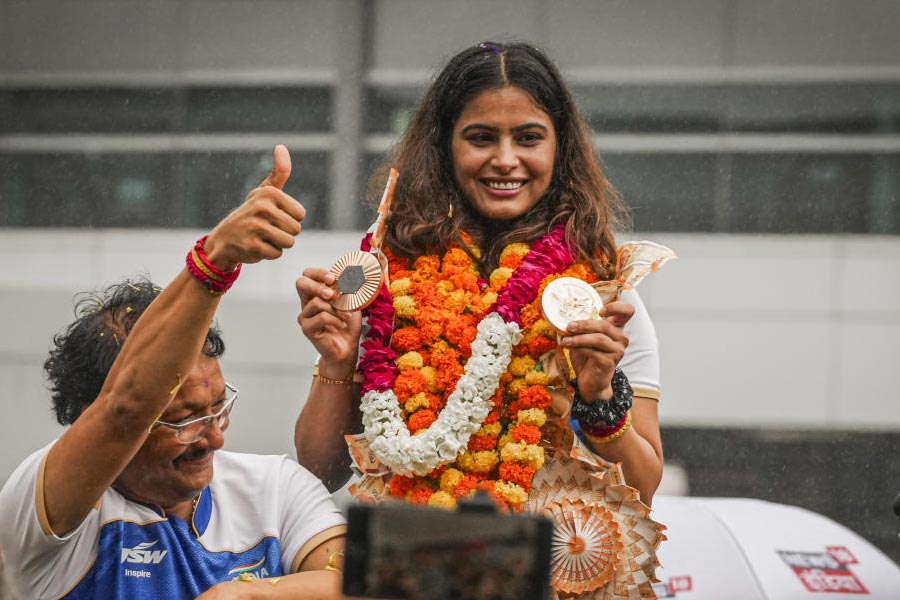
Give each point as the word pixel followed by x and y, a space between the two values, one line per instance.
pixel 464 384
pixel 504 147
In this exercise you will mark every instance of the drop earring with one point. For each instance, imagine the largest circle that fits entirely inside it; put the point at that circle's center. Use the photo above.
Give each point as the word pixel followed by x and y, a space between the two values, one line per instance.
pixel 450 212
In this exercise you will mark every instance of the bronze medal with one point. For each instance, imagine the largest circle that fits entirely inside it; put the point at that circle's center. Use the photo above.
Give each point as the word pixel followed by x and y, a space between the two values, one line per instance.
pixel 359 277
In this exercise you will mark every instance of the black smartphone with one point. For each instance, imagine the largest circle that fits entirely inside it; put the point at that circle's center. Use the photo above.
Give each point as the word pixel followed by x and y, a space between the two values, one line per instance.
pixel 399 551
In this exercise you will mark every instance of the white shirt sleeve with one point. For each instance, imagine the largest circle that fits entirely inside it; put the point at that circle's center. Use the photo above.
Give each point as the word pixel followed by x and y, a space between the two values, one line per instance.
pixel 641 361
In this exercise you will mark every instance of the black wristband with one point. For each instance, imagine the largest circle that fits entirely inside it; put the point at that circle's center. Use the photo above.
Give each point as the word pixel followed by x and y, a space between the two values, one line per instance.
pixel 608 412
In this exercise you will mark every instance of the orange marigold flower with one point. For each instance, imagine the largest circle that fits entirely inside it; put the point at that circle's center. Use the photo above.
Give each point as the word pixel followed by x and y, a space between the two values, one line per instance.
pixel 427 264
pixel 540 345
pixel 400 485
pixel 511 261
pixel 421 420
pixel 466 280
pixel 526 433
pixel 466 485
pixel 435 402
pixel 513 408
pixel 482 442
pixel 407 338
pixel 420 495
pixel 460 332
pixel 530 313
pixel 521 475
pixel 454 259
pixel 409 383
pixel 534 396
pixel 492 417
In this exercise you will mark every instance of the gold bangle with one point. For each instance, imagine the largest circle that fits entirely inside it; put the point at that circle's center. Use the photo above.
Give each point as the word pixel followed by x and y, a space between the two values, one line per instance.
pixel 331 565
pixel 350 378
pixel 614 435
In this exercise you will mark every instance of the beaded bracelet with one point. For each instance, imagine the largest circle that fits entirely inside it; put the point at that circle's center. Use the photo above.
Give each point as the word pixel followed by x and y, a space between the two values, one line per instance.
pixel 214 279
pixel 609 412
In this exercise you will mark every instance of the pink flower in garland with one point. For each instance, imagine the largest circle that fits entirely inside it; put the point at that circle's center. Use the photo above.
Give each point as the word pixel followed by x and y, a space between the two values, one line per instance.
pixel 549 254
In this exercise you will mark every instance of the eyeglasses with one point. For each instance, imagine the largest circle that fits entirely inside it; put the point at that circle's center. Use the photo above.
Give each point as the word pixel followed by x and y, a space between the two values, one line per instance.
pixel 193 430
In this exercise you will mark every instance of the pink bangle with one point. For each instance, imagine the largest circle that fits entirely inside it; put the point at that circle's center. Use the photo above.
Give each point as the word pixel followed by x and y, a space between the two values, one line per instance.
pixel 215 280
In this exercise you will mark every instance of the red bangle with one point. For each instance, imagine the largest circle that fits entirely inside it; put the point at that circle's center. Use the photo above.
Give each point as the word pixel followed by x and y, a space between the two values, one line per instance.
pixel 602 429
pixel 214 279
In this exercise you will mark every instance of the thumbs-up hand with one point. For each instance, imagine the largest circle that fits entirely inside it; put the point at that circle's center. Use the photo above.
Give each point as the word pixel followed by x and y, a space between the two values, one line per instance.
pixel 263 226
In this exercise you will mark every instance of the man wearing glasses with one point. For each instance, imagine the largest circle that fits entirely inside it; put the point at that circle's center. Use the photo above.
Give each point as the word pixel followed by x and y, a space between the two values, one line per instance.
pixel 135 500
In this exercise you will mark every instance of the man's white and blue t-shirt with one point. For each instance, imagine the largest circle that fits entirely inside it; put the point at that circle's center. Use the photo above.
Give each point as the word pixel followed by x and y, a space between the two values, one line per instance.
pixel 260 515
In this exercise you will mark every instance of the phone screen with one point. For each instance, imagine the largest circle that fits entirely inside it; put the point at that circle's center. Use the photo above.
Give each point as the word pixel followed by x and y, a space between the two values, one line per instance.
pixel 412 553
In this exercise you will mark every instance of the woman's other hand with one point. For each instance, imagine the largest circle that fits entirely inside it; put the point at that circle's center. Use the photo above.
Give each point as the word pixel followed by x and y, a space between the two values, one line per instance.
pixel 595 347
pixel 334 333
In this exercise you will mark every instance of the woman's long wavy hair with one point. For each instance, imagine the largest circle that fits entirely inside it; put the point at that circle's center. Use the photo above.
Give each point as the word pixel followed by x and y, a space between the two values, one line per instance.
pixel 579 194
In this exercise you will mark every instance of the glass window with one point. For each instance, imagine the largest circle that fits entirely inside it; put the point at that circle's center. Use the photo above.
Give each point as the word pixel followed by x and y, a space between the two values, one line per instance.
pixel 814 193
pixel 674 192
pixel 147 189
pixel 90 110
pixel 166 110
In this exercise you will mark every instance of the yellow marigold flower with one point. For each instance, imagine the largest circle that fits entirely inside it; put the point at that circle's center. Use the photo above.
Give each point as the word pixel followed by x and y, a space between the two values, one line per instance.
pixel 519 249
pixel 521 365
pixel 416 402
pixel 478 462
pixel 450 479
pixel 503 441
pixel 440 346
pixel 543 327
pixel 410 360
pixel 536 378
pixel 443 500
pixel 444 287
pixel 400 287
pixel 458 300
pixel 511 492
pixel 515 385
pixel 491 429
pixel 521 452
pixel 404 306
pixel 430 374
pixel 489 298
pixel 499 276
pixel 532 416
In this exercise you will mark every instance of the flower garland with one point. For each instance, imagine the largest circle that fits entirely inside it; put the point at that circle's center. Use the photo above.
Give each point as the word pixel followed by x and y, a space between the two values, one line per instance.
pixel 468 387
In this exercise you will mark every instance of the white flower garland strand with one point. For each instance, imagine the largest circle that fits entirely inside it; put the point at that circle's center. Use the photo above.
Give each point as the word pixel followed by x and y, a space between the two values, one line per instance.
pixel 465 411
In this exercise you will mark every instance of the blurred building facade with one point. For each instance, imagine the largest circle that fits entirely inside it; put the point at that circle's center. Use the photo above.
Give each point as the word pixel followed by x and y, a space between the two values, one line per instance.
pixel 758 138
